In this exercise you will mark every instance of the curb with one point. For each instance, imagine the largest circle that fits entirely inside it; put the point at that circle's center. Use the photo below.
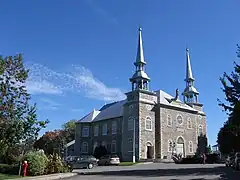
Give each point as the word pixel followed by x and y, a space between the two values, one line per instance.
pixel 144 163
pixel 49 177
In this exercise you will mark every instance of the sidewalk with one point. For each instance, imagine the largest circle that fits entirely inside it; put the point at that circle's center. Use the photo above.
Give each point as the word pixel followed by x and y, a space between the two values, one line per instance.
pixel 49 177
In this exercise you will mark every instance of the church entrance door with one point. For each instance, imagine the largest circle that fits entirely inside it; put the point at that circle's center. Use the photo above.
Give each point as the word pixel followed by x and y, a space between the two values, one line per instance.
pixel 180 146
pixel 150 151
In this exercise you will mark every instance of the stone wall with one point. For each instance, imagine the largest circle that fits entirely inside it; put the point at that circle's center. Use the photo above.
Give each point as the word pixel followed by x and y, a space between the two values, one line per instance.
pixel 175 130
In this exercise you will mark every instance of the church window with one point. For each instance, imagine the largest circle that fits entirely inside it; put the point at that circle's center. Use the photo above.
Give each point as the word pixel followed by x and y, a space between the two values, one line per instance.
pixel 85 131
pixel 170 146
pixel 130 123
pixel 104 129
pixel 179 119
pixel 148 123
pixel 96 129
pixel 84 148
pixel 189 123
pixel 114 127
pixel 190 147
pixel 114 146
pixel 169 120
pixel 131 109
pixel 200 130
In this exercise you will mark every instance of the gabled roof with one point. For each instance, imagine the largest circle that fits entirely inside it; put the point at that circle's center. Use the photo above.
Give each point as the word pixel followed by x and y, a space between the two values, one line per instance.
pixel 112 111
pixel 89 117
pixel 166 99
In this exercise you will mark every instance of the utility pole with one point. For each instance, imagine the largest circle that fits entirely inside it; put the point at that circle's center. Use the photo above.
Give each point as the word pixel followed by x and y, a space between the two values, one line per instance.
pixel 134 142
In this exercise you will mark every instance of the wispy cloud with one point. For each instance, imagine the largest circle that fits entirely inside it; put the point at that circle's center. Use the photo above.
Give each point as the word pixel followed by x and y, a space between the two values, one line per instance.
pixel 43 80
pixel 49 104
pixel 102 12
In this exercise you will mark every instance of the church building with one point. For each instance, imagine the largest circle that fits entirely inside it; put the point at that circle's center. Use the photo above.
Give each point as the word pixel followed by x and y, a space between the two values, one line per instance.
pixel 147 124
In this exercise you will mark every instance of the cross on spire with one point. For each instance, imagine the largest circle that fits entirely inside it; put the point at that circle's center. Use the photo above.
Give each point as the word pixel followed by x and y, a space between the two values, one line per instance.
pixel 140 79
pixel 190 93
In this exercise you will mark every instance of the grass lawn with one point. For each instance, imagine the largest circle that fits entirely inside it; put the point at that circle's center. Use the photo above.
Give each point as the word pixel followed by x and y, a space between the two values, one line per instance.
pixel 6 176
pixel 127 163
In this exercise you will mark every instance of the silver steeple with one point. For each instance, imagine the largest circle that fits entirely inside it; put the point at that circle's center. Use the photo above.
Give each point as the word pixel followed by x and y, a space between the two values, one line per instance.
pixel 140 79
pixel 190 93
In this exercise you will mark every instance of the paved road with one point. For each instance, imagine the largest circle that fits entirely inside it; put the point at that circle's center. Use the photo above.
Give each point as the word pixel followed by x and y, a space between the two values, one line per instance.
pixel 158 171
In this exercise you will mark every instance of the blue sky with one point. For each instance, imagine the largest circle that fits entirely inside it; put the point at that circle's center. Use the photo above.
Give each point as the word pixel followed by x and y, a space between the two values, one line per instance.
pixel 81 53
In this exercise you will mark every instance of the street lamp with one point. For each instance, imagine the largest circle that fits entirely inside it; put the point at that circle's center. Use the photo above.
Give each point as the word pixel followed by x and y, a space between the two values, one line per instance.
pixel 134 143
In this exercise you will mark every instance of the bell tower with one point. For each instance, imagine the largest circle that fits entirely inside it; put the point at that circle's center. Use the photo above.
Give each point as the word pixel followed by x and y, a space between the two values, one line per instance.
pixel 140 79
pixel 138 136
pixel 190 93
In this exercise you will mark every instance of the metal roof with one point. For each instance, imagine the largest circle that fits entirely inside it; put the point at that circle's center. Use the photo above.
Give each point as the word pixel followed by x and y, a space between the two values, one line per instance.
pixel 112 111
pixel 115 109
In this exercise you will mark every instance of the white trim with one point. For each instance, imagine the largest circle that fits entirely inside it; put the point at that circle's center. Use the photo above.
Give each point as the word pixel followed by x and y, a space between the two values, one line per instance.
pixel 189 120
pixel 184 144
pixel 190 143
pixel 169 116
pixel 179 115
pixel 84 143
pixel 149 119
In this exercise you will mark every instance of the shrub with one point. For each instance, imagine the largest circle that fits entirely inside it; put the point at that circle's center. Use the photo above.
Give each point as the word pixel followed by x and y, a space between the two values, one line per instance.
pixel 56 165
pixel 37 163
pixel 100 151
pixel 9 169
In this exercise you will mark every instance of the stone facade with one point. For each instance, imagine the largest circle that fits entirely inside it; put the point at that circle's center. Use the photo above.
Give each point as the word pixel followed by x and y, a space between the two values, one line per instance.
pixel 147 124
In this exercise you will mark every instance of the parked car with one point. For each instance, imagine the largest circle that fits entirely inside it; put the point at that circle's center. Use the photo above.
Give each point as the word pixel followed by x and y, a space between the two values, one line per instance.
pixel 229 160
pixel 70 159
pixel 236 163
pixel 109 160
pixel 87 161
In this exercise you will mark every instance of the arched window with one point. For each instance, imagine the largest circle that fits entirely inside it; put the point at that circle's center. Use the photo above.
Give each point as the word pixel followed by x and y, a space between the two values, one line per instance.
pixel 190 146
pixel 169 120
pixel 148 123
pixel 94 146
pixel 179 119
pixel 189 123
pixel 84 147
pixel 130 123
pixel 170 145
pixel 200 130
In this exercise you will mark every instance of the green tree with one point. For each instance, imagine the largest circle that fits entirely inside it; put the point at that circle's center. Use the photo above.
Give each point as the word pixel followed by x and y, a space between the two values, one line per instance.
pixel 18 119
pixel 228 135
pixel 69 131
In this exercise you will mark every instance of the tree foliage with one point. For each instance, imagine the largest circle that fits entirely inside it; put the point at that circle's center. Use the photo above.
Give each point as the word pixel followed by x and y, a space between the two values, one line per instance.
pixel 69 131
pixel 50 142
pixel 54 141
pixel 18 119
pixel 229 134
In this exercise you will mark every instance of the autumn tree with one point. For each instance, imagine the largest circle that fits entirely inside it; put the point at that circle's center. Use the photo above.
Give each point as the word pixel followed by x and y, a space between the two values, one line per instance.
pixel 18 118
pixel 229 134
pixel 51 142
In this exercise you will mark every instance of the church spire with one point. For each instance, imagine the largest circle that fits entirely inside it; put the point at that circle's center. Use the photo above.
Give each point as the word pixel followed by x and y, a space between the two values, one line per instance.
pixel 140 79
pixel 189 68
pixel 190 93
